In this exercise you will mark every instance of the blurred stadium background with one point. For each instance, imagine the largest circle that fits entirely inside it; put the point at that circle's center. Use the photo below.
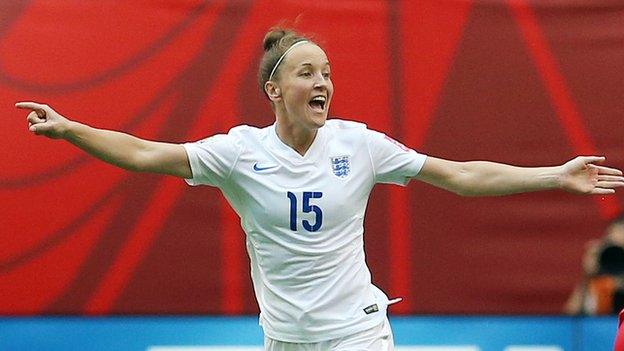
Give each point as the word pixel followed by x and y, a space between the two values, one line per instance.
pixel 99 257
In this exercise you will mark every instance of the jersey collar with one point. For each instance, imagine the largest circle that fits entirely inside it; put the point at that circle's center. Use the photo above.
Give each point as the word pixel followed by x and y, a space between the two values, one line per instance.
pixel 287 152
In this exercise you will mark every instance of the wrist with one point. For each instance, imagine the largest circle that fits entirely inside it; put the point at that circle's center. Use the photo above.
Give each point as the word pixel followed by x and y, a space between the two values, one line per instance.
pixel 550 178
pixel 558 177
pixel 70 130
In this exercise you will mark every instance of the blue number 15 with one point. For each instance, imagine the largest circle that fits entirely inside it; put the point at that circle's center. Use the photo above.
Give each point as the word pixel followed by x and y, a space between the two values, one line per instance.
pixel 307 208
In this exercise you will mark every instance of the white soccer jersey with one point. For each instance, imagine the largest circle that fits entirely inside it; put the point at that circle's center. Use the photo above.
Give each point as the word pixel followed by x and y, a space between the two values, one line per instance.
pixel 303 217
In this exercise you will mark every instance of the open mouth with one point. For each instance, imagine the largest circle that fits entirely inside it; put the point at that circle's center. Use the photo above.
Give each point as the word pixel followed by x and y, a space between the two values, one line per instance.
pixel 318 103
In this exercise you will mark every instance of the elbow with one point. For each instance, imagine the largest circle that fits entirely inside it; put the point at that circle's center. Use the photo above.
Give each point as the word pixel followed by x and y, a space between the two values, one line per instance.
pixel 133 167
pixel 463 184
pixel 459 189
pixel 466 192
pixel 467 185
pixel 136 162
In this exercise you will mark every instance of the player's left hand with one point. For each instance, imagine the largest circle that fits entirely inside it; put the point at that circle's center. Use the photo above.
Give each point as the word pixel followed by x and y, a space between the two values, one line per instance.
pixel 582 175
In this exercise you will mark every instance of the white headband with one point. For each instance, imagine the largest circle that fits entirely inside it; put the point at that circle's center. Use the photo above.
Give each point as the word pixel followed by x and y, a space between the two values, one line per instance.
pixel 284 55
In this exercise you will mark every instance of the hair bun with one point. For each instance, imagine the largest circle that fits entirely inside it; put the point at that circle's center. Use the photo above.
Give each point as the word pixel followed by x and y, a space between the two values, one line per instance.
pixel 276 43
pixel 273 37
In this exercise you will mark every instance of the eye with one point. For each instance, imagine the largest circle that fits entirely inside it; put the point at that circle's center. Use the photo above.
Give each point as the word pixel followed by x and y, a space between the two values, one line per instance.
pixel 327 75
pixel 306 74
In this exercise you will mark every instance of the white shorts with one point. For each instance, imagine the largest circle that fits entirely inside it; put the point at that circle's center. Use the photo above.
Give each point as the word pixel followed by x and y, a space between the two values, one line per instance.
pixel 378 338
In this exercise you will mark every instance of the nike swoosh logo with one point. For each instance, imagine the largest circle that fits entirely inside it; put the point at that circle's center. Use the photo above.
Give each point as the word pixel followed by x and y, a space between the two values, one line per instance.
pixel 258 168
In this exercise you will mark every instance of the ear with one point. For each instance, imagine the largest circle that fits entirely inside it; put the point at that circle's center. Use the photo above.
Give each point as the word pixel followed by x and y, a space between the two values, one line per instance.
pixel 273 91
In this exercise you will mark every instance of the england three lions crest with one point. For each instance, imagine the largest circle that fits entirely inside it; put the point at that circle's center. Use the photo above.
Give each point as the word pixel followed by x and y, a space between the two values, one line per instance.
pixel 341 166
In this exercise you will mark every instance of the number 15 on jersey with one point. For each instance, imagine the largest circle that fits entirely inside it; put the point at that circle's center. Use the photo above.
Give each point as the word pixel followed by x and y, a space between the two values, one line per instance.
pixel 307 207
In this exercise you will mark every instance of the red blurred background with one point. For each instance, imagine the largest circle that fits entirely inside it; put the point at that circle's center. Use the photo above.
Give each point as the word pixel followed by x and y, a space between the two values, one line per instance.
pixel 523 82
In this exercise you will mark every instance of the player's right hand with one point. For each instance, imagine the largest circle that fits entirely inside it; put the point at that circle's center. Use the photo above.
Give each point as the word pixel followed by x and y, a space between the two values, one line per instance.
pixel 43 120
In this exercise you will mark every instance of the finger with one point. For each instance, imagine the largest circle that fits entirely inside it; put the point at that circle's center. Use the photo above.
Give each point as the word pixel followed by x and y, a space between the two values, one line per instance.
pixel 38 129
pixel 593 159
pixel 611 178
pixel 601 191
pixel 609 185
pixel 40 109
pixel 607 170
pixel 34 117
pixel 30 105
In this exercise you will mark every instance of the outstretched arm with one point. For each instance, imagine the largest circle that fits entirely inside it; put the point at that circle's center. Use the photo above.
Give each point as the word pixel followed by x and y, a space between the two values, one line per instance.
pixel 120 149
pixel 581 175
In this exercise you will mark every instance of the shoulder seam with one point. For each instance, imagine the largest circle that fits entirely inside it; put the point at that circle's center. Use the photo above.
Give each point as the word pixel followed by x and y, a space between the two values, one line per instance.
pixel 227 178
pixel 370 157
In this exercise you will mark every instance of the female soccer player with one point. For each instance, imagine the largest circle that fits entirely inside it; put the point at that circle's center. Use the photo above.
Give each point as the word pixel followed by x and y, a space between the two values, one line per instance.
pixel 301 187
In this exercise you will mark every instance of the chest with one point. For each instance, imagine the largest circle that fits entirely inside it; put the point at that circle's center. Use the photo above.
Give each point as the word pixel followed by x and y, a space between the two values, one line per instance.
pixel 311 197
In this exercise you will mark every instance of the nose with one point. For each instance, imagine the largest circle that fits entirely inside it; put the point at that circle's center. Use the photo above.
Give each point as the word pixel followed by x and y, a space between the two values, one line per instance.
pixel 320 81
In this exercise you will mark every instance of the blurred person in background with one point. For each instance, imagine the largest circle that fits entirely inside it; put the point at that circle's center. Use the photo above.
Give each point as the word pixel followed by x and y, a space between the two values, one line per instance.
pixel 601 290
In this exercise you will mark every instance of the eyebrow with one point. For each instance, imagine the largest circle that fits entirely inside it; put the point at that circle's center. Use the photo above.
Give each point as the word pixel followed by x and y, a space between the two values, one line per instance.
pixel 310 64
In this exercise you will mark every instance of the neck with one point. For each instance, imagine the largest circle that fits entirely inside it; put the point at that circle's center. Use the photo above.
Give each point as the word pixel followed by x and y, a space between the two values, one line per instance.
pixel 297 137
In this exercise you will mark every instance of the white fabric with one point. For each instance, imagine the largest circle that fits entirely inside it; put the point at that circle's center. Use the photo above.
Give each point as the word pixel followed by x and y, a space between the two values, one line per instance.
pixel 312 283
pixel 378 338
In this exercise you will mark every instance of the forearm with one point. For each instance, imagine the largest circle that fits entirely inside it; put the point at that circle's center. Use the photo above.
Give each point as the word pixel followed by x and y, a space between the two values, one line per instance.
pixel 113 147
pixel 483 178
pixel 119 149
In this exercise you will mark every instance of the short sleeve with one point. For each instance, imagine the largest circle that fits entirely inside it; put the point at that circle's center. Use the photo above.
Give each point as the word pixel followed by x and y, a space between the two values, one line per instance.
pixel 393 162
pixel 212 159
